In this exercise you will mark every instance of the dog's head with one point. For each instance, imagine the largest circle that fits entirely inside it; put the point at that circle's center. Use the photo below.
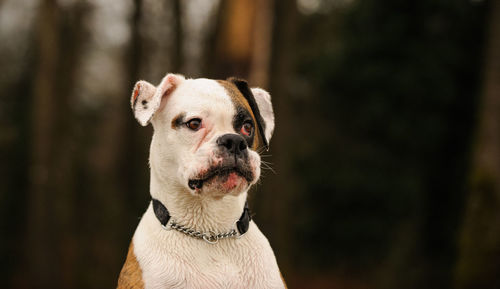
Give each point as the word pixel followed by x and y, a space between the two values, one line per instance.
pixel 207 133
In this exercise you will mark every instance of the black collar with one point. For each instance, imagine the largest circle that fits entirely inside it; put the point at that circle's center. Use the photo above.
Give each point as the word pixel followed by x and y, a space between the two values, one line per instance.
pixel 163 216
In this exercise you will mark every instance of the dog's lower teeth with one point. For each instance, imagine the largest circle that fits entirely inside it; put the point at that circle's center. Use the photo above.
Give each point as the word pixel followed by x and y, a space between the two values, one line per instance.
pixel 195 184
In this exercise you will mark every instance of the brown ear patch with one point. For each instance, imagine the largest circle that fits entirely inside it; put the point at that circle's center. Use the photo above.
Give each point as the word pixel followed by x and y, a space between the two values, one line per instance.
pixel 243 99
pixel 131 274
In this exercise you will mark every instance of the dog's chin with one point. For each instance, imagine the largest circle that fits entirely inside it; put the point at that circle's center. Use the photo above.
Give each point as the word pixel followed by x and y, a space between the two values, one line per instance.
pixel 225 182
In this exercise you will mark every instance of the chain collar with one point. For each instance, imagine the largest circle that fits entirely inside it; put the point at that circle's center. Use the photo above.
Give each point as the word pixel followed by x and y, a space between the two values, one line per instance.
pixel 210 237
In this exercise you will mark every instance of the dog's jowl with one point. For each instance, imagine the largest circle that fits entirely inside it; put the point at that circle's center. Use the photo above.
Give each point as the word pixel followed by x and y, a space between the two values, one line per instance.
pixel 197 231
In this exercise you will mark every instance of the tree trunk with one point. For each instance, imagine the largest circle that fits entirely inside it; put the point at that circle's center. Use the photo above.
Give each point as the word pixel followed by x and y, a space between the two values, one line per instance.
pixel 40 242
pixel 261 46
pixel 479 261
pixel 117 168
pixel 51 222
pixel 177 53
pixel 278 190
pixel 232 46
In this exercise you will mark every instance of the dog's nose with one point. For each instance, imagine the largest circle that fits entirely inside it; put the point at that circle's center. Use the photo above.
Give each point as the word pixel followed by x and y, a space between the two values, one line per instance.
pixel 234 143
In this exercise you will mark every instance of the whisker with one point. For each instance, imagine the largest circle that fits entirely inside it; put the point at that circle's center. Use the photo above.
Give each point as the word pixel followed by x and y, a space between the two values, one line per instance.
pixel 266 163
pixel 261 150
pixel 267 166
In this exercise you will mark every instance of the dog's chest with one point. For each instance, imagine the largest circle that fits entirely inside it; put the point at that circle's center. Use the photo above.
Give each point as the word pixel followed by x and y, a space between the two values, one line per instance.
pixel 193 270
pixel 214 271
pixel 174 260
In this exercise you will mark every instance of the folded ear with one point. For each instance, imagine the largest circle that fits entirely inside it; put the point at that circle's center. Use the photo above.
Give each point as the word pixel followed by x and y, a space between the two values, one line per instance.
pixel 263 99
pixel 148 99
pixel 142 96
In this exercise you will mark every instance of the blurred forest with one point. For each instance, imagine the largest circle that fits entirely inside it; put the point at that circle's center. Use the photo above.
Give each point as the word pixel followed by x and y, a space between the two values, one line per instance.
pixel 386 151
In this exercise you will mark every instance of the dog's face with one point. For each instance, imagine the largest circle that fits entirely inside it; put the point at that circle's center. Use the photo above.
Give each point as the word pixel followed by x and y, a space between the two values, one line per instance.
pixel 207 133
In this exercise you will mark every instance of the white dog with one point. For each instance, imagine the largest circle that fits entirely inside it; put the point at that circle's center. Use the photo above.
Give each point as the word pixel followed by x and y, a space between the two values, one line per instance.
pixel 197 231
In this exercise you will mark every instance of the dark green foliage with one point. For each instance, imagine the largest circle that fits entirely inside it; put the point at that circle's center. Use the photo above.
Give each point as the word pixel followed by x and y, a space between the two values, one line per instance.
pixel 392 90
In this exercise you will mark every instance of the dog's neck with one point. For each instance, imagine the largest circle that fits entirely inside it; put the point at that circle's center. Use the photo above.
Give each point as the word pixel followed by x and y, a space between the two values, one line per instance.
pixel 203 213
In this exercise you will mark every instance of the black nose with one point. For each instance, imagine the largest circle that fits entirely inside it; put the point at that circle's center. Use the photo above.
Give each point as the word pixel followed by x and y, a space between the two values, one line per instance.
pixel 234 143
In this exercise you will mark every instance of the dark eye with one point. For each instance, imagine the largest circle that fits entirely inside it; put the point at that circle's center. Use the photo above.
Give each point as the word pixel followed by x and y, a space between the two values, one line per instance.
pixel 194 124
pixel 247 129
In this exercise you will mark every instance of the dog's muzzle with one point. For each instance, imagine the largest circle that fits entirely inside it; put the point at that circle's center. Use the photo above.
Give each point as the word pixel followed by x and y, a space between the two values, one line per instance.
pixel 233 150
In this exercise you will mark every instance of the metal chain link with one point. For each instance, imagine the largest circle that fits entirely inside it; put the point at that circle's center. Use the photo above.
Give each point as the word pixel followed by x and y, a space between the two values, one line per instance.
pixel 209 237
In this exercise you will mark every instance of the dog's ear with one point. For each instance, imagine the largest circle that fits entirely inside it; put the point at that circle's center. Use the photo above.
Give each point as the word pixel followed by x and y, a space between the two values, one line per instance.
pixel 260 103
pixel 141 101
pixel 263 99
pixel 148 99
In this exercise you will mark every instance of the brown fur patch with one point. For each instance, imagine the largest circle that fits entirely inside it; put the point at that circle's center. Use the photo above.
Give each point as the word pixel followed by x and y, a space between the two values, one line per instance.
pixel 131 274
pixel 283 279
pixel 240 101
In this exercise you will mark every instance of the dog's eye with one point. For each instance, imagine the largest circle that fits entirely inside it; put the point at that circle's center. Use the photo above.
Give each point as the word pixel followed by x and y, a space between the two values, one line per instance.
pixel 194 124
pixel 247 129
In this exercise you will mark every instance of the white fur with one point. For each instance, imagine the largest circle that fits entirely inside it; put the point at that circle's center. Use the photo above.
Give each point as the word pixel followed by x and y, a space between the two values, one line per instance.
pixel 263 99
pixel 170 259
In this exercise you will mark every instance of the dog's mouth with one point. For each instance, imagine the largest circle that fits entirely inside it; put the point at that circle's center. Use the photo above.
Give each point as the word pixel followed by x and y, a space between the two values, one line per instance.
pixel 227 175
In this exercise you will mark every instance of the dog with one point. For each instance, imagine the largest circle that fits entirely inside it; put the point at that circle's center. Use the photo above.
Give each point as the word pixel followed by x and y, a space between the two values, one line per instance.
pixel 197 231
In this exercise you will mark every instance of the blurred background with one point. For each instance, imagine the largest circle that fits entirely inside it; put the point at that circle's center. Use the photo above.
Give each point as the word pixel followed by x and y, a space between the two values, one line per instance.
pixel 386 153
